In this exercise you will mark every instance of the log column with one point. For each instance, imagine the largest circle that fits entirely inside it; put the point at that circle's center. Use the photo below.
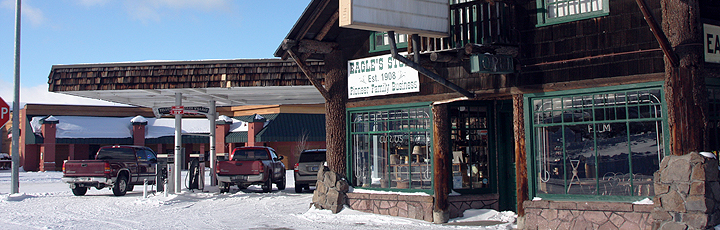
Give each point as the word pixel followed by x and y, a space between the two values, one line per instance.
pixel 520 154
pixel 441 161
pixel 336 85
pixel 685 91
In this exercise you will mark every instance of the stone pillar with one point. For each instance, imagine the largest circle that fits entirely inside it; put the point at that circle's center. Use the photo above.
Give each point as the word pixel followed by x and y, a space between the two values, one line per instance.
pixel 254 128
pixel 47 150
pixel 687 193
pixel 139 123
pixel 331 191
pixel 222 128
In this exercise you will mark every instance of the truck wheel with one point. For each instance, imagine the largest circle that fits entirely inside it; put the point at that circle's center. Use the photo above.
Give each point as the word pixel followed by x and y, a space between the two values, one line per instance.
pixel 120 187
pixel 224 187
pixel 298 188
pixel 241 186
pixel 267 186
pixel 79 191
pixel 281 184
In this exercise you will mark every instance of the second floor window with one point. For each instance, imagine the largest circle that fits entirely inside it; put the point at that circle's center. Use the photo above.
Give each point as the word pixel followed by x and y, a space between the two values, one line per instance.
pixel 559 11
pixel 379 41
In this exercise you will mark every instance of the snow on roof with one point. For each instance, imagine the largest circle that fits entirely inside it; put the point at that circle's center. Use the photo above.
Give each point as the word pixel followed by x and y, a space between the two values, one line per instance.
pixel 138 119
pixel 88 127
pixel 121 127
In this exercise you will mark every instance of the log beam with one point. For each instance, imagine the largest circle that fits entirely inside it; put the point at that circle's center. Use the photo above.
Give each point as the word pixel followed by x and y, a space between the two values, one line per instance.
pixel 309 74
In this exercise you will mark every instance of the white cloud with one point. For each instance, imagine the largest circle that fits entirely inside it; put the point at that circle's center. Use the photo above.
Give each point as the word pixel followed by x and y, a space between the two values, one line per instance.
pixel 153 10
pixel 32 14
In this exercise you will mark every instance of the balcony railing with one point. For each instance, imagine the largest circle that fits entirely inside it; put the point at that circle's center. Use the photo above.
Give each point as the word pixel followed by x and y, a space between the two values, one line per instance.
pixel 476 21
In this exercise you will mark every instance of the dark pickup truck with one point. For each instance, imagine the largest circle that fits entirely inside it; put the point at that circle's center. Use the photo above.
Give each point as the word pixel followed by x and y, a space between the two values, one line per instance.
pixel 251 166
pixel 117 167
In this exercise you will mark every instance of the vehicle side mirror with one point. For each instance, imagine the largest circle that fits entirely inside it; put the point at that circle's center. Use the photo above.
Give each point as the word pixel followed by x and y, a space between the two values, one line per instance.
pixel 280 157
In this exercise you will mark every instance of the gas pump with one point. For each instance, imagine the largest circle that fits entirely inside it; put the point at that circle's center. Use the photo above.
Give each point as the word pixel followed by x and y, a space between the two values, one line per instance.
pixel 196 172
pixel 161 171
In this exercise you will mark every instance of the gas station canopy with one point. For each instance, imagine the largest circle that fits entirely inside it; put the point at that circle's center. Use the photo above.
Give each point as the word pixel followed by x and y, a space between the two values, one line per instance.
pixel 154 83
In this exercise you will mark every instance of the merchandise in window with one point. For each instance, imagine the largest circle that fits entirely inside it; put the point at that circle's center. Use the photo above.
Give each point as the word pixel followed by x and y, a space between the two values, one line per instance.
pixel 471 158
pixel 392 148
pixel 606 144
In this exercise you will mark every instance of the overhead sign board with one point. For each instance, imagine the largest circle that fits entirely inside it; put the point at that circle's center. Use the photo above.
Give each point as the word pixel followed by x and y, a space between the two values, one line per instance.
pixel 712 43
pixel 180 110
pixel 493 64
pixel 429 18
pixel 4 112
pixel 380 75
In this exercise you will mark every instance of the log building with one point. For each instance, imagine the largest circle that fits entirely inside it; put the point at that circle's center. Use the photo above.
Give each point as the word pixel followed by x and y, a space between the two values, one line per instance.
pixel 575 114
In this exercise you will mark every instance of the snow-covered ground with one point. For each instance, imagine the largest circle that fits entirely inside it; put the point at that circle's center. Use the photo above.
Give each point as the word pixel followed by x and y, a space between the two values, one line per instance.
pixel 44 202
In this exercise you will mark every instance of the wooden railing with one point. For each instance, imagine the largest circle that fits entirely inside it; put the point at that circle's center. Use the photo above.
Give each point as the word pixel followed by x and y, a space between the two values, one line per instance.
pixel 476 22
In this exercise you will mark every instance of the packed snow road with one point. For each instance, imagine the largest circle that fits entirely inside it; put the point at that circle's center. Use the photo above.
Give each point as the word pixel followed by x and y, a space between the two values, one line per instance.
pixel 44 202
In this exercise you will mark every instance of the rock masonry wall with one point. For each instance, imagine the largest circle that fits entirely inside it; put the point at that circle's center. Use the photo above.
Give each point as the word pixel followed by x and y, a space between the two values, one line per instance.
pixel 687 193
pixel 546 214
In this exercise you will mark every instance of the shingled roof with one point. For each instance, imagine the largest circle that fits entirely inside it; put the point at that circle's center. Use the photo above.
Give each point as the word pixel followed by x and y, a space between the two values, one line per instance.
pixel 154 83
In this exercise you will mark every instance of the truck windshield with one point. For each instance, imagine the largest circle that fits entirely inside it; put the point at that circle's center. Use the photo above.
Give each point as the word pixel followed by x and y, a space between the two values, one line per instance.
pixel 116 154
pixel 250 155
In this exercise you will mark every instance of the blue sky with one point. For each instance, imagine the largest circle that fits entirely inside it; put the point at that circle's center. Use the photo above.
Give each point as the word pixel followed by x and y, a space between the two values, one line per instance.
pixel 103 31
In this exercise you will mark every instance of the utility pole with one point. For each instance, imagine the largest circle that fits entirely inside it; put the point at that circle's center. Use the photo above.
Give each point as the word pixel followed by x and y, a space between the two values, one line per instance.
pixel 14 181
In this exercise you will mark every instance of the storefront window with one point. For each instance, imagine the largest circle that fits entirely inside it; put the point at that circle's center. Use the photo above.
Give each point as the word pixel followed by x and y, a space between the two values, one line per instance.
pixel 471 158
pixel 392 148
pixel 607 144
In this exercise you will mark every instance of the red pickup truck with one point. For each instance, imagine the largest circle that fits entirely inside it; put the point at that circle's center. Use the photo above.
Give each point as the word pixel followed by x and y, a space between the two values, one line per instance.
pixel 251 166
pixel 117 167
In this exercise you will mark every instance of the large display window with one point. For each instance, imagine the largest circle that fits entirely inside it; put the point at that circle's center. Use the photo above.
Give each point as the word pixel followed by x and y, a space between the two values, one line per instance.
pixel 603 143
pixel 391 147
pixel 471 158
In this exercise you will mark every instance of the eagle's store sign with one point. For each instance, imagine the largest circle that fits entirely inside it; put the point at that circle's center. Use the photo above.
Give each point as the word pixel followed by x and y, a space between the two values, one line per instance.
pixel 380 75
pixel 712 43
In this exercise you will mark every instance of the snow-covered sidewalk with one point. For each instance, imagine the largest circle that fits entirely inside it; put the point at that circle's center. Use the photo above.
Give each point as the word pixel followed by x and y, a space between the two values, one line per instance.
pixel 44 202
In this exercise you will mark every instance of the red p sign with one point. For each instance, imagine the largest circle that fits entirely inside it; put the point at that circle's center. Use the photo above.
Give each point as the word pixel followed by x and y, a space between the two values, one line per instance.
pixel 4 112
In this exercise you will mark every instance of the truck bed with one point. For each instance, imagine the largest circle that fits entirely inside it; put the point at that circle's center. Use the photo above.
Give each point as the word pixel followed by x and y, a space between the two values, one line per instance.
pixel 239 167
pixel 85 168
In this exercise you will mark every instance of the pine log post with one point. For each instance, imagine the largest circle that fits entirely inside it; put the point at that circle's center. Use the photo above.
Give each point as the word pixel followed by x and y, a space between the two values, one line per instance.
pixel 336 85
pixel 520 154
pixel 441 160
pixel 685 91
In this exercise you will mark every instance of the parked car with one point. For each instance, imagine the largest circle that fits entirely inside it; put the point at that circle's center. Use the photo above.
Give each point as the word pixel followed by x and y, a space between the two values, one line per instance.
pixel 5 161
pixel 118 167
pixel 251 166
pixel 307 167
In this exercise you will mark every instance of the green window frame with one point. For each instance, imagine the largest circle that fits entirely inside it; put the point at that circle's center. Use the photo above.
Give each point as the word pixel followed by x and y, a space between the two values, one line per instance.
pixel 390 148
pixel 596 144
pixel 379 41
pixel 550 12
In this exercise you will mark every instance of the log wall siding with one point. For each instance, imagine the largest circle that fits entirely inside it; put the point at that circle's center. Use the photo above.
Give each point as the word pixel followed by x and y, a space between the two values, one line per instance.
pixel 183 75
pixel 619 44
